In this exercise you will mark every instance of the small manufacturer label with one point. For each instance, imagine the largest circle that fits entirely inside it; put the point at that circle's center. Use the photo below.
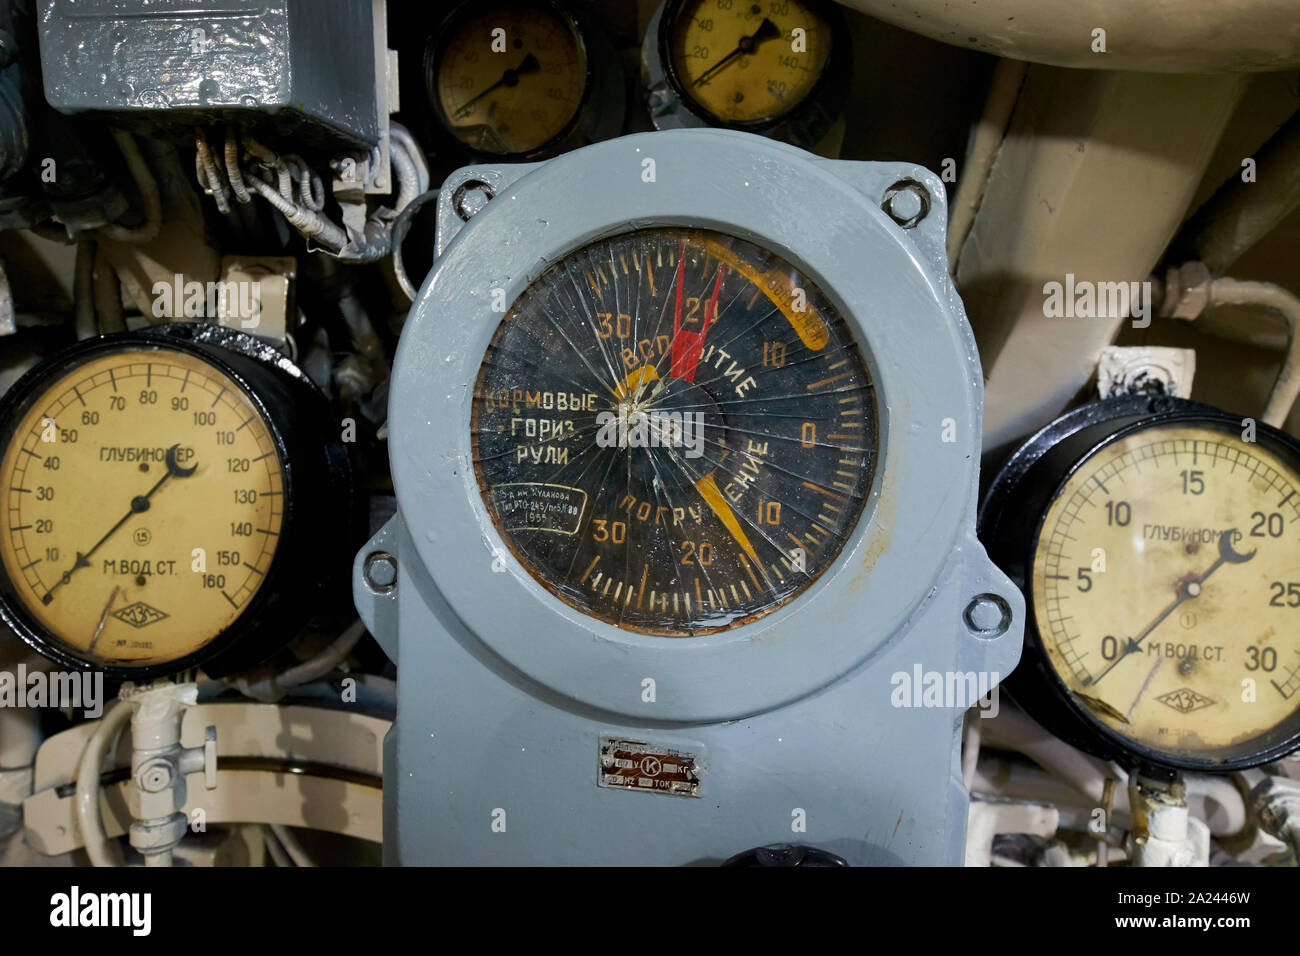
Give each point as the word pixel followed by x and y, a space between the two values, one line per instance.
pixel 139 614
pixel 1185 700
pixel 537 506
pixel 636 765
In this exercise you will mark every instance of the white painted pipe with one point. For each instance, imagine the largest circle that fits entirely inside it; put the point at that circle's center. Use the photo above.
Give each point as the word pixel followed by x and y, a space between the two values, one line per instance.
pixel 1152 36
pixel 1286 389
pixel 101 851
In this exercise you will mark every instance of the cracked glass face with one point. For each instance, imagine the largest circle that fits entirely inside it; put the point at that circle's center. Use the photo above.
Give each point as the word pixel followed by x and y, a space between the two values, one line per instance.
pixel 674 431
pixel 1166 590
pixel 144 501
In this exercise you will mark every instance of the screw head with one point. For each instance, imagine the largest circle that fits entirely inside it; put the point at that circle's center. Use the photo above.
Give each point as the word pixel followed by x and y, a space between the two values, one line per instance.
pixel 470 198
pixel 906 202
pixel 987 616
pixel 380 571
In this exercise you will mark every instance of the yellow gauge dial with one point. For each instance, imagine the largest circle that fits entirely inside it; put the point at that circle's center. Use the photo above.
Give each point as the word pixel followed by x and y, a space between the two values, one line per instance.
pixel 1166 589
pixel 144 497
pixel 748 62
pixel 510 77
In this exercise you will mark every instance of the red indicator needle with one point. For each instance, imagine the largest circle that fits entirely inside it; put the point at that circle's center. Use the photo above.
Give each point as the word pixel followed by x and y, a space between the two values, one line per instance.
pixel 688 344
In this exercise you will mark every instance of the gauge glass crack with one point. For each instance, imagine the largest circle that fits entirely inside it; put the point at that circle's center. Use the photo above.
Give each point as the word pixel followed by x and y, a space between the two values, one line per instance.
pixel 144 499
pixel 674 431
pixel 1166 589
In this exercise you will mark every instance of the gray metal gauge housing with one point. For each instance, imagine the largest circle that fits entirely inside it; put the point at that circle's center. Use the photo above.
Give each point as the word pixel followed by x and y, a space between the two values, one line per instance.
pixel 805 726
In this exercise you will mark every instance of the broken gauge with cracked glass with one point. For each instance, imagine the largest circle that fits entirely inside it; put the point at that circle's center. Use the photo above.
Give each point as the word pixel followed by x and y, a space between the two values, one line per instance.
pixel 674 431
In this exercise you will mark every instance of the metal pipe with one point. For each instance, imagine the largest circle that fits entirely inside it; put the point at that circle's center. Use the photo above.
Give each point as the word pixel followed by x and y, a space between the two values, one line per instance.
pixel 291 845
pixel 108 295
pixel 1013 730
pixel 273 687
pixel 1217 801
pixel 402 136
pixel 88 771
pixel 1266 295
pixel 407 175
pixel 83 290
pixel 987 140
pixel 1241 213
pixel 277 854
pixel 401 226
pixel 149 195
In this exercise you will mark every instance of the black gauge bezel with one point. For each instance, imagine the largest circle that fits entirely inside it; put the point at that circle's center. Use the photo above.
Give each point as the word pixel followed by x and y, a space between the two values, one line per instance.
pixel 255 368
pixel 1010 523
pixel 802 125
pixel 437 45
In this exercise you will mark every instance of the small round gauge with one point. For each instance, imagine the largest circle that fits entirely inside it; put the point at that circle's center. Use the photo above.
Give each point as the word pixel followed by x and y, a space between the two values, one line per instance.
pixel 511 78
pixel 148 501
pixel 674 431
pixel 779 67
pixel 1164 581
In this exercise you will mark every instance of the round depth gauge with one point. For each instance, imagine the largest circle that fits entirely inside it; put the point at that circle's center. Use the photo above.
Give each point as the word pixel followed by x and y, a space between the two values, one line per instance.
pixel 148 501
pixel 674 431
pixel 778 67
pixel 1164 581
pixel 509 79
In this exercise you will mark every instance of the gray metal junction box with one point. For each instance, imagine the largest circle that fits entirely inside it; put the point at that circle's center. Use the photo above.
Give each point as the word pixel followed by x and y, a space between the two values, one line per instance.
pixel 309 64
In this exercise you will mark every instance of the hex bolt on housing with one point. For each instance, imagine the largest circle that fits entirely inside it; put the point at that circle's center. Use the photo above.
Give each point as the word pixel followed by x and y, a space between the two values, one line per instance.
pixel 987 616
pixel 471 197
pixel 906 202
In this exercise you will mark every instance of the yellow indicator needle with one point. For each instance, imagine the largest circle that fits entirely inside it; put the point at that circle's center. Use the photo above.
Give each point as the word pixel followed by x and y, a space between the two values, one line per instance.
pixel 785 295
pixel 637 380
pixel 708 489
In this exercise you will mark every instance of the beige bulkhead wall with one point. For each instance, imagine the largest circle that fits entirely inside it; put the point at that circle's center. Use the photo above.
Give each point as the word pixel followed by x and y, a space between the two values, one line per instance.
pixel 1165 36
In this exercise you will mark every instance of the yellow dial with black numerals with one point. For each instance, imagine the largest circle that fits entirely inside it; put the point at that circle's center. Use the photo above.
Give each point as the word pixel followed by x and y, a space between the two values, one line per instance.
pixel 1166 589
pixel 144 496
pixel 748 62
pixel 510 77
